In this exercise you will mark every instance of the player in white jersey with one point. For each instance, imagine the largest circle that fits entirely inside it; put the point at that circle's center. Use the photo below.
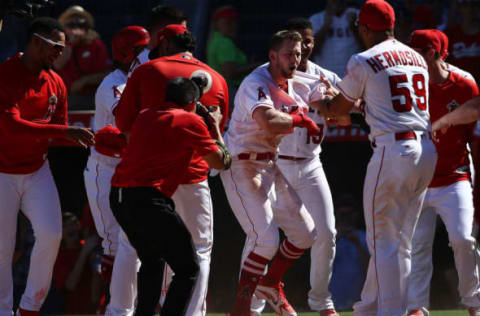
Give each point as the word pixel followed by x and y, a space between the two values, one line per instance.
pixel 259 195
pixel 126 45
pixel 392 79
pixel 299 162
pixel 450 193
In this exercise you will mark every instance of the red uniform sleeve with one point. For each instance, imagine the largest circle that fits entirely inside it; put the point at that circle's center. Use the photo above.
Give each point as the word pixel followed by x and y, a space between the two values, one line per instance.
pixel 196 133
pixel 12 123
pixel 129 105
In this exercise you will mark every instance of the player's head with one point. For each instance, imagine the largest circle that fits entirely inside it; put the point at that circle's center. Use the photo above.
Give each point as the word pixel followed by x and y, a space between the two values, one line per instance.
pixel 173 39
pixel 375 22
pixel 46 40
pixel 183 92
pixel 443 42
pixel 161 16
pixel 305 28
pixel 225 20
pixel 128 43
pixel 428 44
pixel 285 53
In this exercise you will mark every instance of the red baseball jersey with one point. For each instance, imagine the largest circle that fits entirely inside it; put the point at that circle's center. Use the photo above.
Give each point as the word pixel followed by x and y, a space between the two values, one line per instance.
pixel 33 108
pixel 160 148
pixel 464 50
pixel 453 162
pixel 146 88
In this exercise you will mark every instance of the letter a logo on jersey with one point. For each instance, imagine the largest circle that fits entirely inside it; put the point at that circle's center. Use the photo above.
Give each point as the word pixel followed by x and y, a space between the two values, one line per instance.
pixel 261 94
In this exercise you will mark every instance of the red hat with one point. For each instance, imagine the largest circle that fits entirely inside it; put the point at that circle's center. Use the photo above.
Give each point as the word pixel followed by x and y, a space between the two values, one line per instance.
pixel 165 33
pixel 378 15
pixel 426 39
pixel 110 141
pixel 443 42
pixel 226 12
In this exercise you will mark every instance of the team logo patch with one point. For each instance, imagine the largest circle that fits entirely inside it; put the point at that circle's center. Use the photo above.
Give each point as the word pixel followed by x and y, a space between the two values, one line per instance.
pixel 206 75
pixel 116 92
pixel 52 105
pixel 261 94
pixel 452 105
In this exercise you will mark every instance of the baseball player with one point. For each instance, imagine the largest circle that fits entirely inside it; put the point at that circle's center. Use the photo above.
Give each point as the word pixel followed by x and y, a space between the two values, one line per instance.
pixel 144 182
pixel 266 108
pixel 450 192
pixel 299 162
pixel 392 79
pixel 126 45
pixel 33 109
pixel 144 89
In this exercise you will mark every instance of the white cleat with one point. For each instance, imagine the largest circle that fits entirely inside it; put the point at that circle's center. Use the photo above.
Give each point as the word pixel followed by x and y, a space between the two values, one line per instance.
pixel 276 298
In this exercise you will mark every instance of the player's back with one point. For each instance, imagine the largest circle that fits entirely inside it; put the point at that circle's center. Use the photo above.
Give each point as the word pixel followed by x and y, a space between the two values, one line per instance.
pixel 393 79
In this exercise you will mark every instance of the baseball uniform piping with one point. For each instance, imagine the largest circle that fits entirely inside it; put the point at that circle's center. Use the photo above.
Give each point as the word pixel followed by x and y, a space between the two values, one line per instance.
pixel 101 212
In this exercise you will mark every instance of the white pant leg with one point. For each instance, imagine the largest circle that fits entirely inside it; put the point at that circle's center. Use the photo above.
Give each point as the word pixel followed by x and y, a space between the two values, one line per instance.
pixel 454 204
pixel 9 207
pixel 422 264
pixel 41 205
pixel 397 178
pixel 310 183
pixel 194 205
pixel 98 177
pixel 123 287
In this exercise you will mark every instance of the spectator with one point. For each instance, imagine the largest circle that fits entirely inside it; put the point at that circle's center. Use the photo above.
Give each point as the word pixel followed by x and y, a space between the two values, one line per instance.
pixel 85 59
pixel 336 37
pixel 73 276
pixel 464 36
pixel 351 259
pixel 222 53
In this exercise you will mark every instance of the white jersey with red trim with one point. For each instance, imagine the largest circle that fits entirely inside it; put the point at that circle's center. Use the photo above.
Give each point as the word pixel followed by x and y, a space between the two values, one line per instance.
pixel 393 79
pixel 106 98
pixel 300 144
pixel 258 90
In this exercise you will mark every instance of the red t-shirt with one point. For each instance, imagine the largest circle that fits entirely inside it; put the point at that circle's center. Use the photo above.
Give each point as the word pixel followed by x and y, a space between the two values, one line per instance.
pixel 453 162
pixel 29 104
pixel 464 51
pixel 85 60
pixel 146 88
pixel 160 147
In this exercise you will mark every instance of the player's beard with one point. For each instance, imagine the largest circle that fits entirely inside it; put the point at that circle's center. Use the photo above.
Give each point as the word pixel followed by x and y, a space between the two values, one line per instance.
pixel 288 73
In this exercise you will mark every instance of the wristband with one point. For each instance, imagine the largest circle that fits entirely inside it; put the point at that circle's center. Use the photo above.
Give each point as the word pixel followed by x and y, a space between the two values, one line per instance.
pixel 297 119
pixel 227 158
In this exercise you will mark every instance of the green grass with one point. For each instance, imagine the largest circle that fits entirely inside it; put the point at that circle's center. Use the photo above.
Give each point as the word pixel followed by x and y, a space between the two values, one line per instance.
pixel 433 313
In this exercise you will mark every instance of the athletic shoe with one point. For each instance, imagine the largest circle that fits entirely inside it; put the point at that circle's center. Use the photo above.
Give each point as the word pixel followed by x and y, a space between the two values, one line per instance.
pixel 474 311
pixel 329 312
pixel 415 312
pixel 276 298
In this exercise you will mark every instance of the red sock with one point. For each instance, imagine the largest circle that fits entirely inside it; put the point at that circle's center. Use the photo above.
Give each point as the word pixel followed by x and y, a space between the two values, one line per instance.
pixel 252 271
pixel 24 312
pixel 285 257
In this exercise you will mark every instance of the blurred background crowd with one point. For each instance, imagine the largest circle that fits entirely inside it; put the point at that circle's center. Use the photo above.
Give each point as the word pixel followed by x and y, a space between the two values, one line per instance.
pixel 232 38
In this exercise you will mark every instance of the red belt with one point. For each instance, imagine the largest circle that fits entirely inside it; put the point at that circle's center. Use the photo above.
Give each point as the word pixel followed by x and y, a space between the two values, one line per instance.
pixel 256 156
pixel 291 158
pixel 405 135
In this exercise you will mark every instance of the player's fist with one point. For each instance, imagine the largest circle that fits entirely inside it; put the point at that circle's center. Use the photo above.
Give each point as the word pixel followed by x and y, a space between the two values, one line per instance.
pixel 301 120
pixel 80 135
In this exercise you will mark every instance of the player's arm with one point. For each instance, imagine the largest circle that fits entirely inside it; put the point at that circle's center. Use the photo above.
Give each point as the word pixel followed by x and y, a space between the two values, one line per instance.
pixel 128 106
pixel 277 122
pixel 467 113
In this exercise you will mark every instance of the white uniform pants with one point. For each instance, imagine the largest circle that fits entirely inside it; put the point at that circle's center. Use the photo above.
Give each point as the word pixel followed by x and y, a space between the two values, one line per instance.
pixel 397 178
pixel 454 204
pixel 36 195
pixel 194 205
pixel 98 178
pixel 263 201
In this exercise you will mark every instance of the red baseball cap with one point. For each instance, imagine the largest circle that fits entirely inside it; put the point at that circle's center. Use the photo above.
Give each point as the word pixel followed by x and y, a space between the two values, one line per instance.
pixel 378 15
pixel 226 12
pixel 165 33
pixel 443 41
pixel 426 39
pixel 110 141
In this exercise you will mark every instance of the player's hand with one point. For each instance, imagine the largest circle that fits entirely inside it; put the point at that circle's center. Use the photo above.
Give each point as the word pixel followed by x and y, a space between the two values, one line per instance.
pixel 439 126
pixel 80 135
pixel 309 124
pixel 330 89
pixel 216 115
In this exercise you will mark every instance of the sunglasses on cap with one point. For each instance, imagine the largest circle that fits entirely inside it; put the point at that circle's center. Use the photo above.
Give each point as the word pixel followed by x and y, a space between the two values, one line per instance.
pixel 49 41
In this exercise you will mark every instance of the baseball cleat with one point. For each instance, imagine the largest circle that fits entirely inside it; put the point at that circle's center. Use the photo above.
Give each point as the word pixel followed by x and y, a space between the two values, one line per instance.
pixel 329 312
pixel 276 298
pixel 415 312
pixel 474 311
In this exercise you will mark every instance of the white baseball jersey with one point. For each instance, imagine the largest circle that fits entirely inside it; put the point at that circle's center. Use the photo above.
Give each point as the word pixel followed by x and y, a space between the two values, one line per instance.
pixel 459 71
pixel 106 99
pixel 258 90
pixel 140 59
pixel 340 42
pixel 393 79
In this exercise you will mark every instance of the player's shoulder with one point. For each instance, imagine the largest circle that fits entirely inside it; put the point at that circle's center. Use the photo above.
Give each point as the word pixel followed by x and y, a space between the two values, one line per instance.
pixel 113 79
pixel 258 77
pixel 463 82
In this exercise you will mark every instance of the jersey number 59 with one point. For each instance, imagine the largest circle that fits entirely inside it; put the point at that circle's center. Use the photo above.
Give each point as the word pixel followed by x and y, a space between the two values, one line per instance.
pixel 401 96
